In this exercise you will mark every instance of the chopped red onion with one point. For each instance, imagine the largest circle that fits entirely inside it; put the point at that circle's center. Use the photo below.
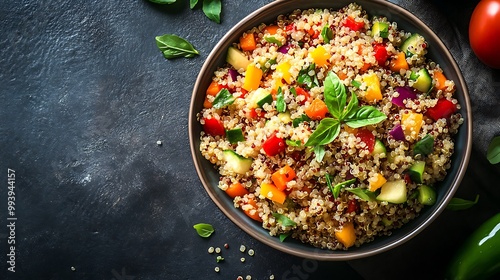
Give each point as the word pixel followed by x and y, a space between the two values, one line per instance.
pixel 404 93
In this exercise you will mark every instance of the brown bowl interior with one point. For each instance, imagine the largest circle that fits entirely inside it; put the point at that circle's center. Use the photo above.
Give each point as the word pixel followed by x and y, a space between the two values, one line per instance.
pixel 437 52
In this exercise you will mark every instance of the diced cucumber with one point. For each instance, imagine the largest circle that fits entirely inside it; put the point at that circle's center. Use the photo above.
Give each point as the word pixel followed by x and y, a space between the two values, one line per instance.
pixel 237 163
pixel 413 45
pixel 425 146
pixel 416 171
pixel 265 66
pixel 426 195
pixel 260 97
pixel 379 147
pixel 422 80
pixel 235 135
pixel 380 29
pixel 237 58
pixel 393 192
pixel 285 117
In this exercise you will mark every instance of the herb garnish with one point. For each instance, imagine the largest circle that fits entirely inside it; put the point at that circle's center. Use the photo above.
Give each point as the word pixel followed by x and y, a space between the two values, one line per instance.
pixel 223 98
pixel 280 101
pixel 326 34
pixel 283 236
pixel 304 78
pixel 173 46
pixel 284 220
pixel 349 113
pixel 212 9
pixel 461 204
pixel 204 230
pixel 273 40
pixel 493 154
pixel 362 193
pixel 336 189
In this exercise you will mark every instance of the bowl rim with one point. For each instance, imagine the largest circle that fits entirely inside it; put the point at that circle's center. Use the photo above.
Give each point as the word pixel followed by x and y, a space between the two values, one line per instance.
pixel 316 253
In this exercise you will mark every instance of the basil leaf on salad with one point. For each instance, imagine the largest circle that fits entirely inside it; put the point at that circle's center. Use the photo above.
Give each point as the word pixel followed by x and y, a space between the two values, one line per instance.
pixel 336 189
pixel 327 130
pixel 365 115
pixel 363 194
pixel 280 101
pixel 326 34
pixel 173 46
pixel 319 152
pixel 284 220
pixel 335 95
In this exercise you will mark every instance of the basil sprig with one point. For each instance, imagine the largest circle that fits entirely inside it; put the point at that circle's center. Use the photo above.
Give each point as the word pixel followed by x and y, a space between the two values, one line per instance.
pixel 173 46
pixel 461 204
pixel 336 189
pixel 349 113
pixel 212 9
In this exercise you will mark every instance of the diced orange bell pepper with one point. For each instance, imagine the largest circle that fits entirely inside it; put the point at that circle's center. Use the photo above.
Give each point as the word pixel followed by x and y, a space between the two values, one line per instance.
pixel 252 211
pixel 281 177
pixel 236 189
pixel 271 192
pixel 399 62
pixel 376 182
pixel 271 29
pixel 440 79
pixel 317 110
pixel 346 235
pixel 247 42
pixel 212 90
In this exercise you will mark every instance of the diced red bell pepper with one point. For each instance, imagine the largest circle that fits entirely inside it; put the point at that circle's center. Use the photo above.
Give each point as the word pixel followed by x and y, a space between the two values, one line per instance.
pixel 352 24
pixel 214 127
pixel 444 108
pixel 290 27
pixel 274 145
pixel 303 92
pixel 254 114
pixel 381 54
pixel 366 137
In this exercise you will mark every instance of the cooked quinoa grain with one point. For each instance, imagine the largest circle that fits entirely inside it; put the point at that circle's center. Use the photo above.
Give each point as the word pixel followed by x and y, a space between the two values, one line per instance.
pixel 326 125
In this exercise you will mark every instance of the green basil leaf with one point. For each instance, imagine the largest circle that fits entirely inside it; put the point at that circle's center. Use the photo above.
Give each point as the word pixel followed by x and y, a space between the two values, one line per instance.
pixel 319 152
pixel 297 121
pixel 223 99
pixel 280 101
pixel 461 204
pixel 326 34
pixel 339 186
pixel 212 9
pixel 329 184
pixel 356 83
pixel 192 3
pixel 173 46
pixel 306 80
pixel 283 236
pixel 365 115
pixel 292 143
pixel 493 153
pixel 273 40
pixel 204 230
pixel 163 1
pixel 293 91
pixel 351 108
pixel 362 193
pixel 284 220
pixel 327 130
pixel 335 94
pixel 425 146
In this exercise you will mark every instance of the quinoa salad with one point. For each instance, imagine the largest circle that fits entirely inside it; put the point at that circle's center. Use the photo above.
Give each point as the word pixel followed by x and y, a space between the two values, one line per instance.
pixel 331 127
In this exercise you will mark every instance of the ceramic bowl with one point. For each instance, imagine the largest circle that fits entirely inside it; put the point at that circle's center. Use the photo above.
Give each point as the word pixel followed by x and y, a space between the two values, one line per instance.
pixel 437 52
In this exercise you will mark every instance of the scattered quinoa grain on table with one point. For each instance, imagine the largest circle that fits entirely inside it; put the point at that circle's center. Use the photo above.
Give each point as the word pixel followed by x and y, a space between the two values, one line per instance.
pixel 334 127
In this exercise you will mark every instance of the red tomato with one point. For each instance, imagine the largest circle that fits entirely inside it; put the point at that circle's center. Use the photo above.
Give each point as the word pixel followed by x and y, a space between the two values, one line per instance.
pixel 366 137
pixel 214 127
pixel 274 145
pixel 352 24
pixel 301 91
pixel 444 108
pixel 484 32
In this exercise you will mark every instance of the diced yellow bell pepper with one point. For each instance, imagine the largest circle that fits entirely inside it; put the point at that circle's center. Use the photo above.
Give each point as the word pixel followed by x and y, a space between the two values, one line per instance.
pixel 253 75
pixel 320 56
pixel 284 69
pixel 373 92
pixel 376 182
pixel 411 123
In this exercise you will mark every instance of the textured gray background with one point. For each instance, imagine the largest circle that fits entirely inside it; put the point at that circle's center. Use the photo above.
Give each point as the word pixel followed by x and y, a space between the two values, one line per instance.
pixel 85 95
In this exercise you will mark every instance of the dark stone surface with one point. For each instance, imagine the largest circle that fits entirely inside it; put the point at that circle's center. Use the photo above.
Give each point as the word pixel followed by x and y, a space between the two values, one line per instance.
pixel 85 97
